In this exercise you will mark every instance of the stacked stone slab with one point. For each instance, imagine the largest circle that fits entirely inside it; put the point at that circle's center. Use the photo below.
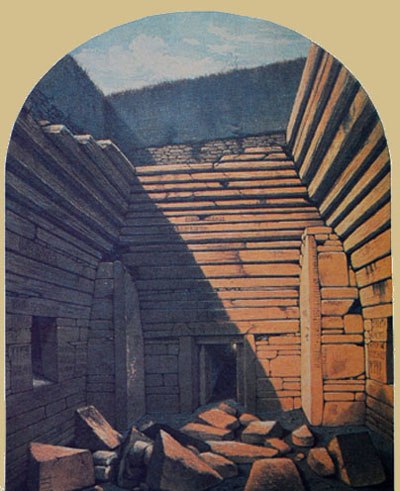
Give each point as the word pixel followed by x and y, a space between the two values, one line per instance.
pixel 66 198
pixel 333 368
pixel 214 248
pixel 339 148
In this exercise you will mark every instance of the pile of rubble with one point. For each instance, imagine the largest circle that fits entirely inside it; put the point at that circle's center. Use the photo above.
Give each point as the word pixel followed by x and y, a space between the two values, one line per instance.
pixel 222 447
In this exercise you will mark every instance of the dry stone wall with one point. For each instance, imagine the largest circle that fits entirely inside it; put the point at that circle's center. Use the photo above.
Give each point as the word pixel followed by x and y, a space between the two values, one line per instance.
pixel 208 151
pixel 339 148
pixel 66 197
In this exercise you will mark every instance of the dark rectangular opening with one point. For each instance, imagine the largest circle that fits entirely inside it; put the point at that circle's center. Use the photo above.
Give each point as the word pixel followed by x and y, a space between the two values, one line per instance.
pixel 218 372
pixel 44 349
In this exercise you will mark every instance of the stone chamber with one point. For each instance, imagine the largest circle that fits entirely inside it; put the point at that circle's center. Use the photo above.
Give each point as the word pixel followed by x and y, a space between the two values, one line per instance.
pixel 256 269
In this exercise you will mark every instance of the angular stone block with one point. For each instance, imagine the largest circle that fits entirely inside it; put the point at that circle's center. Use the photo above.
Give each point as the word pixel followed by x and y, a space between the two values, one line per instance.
pixel 274 475
pixel 128 474
pixel 257 431
pixel 242 453
pixel 105 457
pixel 206 432
pixel 246 418
pixel 285 366
pixel 219 419
pixel 302 437
pixel 337 413
pixel 279 444
pixel 151 429
pixel 56 468
pixel 353 324
pixel 228 408
pixel 345 361
pixel 225 468
pixel 321 462
pixel 357 462
pixel 93 431
pixel 333 270
pixel 173 467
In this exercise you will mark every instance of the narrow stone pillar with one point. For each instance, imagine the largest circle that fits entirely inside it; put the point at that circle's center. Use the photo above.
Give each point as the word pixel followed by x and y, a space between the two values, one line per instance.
pixel 310 324
pixel 250 365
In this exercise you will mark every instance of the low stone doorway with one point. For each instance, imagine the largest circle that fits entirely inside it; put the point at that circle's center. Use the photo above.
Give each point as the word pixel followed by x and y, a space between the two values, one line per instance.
pixel 220 371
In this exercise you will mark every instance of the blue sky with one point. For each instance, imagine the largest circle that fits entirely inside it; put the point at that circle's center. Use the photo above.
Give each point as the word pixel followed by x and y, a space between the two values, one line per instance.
pixel 184 45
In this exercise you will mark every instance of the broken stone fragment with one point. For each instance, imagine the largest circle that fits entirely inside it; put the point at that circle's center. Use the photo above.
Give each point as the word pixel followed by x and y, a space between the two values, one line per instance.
pixel 227 408
pixel 105 457
pixel 173 467
pixel 299 456
pixel 219 419
pixel 93 431
pixel 257 431
pixel 246 418
pixel 302 437
pixel 225 468
pixel 59 468
pixel 321 462
pixel 130 475
pixel 152 429
pixel 206 432
pixel 279 444
pixel 241 453
pixel 357 462
pixel 274 475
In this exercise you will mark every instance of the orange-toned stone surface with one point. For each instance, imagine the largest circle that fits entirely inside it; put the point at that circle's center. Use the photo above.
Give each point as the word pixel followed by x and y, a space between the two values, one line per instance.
pixel 342 361
pixel 93 431
pixel 285 366
pixel 56 468
pixel 356 460
pixel 333 270
pixel 225 468
pixel 280 445
pixel 274 475
pixel 321 462
pixel 206 432
pixel 257 431
pixel 173 467
pixel 247 418
pixel 337 413
pixel 241 453
pixel 353 324
pixel 219 419
pixel 303 437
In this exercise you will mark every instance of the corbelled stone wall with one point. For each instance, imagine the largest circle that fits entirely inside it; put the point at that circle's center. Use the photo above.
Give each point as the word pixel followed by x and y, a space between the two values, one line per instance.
pixel 66 198
pixel 339 148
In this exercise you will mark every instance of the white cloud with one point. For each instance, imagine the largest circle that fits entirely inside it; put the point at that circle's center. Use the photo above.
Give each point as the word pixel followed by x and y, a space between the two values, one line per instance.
pixel 147 58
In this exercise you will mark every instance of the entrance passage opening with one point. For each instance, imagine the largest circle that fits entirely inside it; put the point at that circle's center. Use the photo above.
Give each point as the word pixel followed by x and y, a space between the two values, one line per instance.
pixel 218 372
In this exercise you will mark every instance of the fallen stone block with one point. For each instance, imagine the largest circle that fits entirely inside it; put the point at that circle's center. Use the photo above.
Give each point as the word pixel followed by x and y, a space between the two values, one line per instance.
pixel 246 418
pixel 173 467
pixel 227 407
pixel 257 431
pixel 225 468
pixel 280 445
pixel 321 462
pixel 299 456
pixel 131 470
pixel 206 432
pixel 219 419
pixel 357 462
pixel 93 431
pixel 302 437
pixel 59 468
pixel 274 475
pixel 153 429
pixel 241 453
pixel 105 457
